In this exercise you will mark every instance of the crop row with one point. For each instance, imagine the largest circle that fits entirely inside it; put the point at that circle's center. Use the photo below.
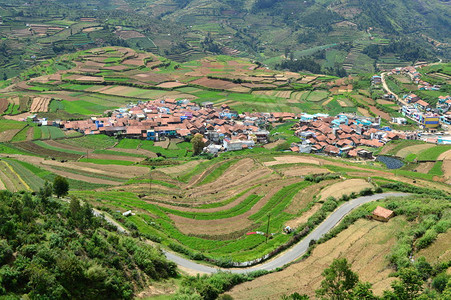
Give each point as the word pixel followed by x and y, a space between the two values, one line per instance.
pixel 239 209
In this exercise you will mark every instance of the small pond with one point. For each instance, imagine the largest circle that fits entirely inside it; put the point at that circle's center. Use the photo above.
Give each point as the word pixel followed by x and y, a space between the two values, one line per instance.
pixel 390 162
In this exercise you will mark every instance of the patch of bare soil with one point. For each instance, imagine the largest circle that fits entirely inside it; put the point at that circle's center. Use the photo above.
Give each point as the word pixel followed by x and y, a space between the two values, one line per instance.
pixel 291 160
pixel 344 188
pixel 64 146
pixel 446 167
pixel 425 167
pixel 302 171
pixel 135 151
pixel 228 225
pixel 365 245
pixel 445 155
pixel 245 171
pixel 304 217
pixel 305 196
pixel 7 135
pixel 273 144
pixel 30 134
pixel 115 157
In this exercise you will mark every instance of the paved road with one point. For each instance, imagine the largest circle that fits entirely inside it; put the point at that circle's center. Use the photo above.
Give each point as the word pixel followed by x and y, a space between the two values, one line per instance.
pixel 296 251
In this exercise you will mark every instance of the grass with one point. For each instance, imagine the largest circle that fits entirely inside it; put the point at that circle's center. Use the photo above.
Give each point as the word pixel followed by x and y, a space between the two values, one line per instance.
pixel 11 124
pixel 217 172
pixel 47 146
pixel 51 132
pixel 437 169
pixel 239 209
pixel 119 153
pixel 98 141
pixel 128 144
pixel 107 161
pixel 433 153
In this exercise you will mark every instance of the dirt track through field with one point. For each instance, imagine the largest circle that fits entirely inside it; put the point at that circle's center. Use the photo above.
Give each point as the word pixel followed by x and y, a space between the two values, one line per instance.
pixel 366 243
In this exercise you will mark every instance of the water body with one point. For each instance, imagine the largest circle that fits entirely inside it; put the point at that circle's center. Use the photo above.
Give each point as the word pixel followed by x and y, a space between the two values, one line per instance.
pixel 390 162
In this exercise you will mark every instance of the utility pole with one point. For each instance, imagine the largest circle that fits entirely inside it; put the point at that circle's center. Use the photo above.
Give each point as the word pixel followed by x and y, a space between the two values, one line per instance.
pixel 267 228
pixel 150 180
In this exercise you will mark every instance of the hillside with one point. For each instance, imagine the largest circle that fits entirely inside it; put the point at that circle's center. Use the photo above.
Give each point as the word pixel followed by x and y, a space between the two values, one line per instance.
pixel 93 81
pixel 56 250
pixel 337 34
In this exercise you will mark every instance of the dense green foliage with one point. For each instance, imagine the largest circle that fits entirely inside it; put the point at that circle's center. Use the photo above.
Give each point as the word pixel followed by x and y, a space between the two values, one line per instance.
pixel 52 250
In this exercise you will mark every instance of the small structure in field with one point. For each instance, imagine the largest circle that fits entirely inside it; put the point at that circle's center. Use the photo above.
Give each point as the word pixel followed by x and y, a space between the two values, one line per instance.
pixel 382 214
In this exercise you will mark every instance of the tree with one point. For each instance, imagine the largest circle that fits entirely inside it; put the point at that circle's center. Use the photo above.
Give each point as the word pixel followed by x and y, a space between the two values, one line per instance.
pixel 60 186
pixel 409 287
pixel 339 281
pixel 198 143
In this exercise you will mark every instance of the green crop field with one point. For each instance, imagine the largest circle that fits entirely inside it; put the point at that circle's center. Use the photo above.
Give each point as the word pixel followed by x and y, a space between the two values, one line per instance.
pixel 433 153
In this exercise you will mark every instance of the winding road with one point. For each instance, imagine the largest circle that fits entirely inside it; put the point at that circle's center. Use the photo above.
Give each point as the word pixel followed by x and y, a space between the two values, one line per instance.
pixel 296 251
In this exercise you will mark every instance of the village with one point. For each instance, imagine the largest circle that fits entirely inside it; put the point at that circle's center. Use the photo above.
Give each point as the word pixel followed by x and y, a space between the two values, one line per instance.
pixel 224 129
pixel 413 107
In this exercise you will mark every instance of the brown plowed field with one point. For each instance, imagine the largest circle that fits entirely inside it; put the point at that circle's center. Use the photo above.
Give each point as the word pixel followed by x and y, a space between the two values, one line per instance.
pixel 30 133
pixel 424 167
pixel 244 172
pixel 181 169
pixel 115 157
pixel 302 171
pixel 64 146
pixel 291 160
pixel 446 167
pixel 295 223
pixel 40 104
pixel 305 196
pixel 380 113
pixel 7 135
pixel 344 188
pixel 135 151
pixel 33 148
pixel 229 225
pixel 366 243
pixel 3 105
pixel 215 83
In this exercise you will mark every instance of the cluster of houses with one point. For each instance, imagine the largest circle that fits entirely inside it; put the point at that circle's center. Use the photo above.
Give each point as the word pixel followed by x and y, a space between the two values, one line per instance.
pixel 415 76
pixel 222 128
pixel 226 130
pixel 345 134
pixel 427 116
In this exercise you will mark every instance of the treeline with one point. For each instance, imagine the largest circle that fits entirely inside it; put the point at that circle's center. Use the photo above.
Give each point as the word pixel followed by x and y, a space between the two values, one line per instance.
pixel 406 49
pixel 50 249
pixel 310 65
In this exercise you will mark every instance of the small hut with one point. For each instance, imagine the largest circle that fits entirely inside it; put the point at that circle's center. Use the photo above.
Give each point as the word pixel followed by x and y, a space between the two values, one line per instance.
pixel 382 214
